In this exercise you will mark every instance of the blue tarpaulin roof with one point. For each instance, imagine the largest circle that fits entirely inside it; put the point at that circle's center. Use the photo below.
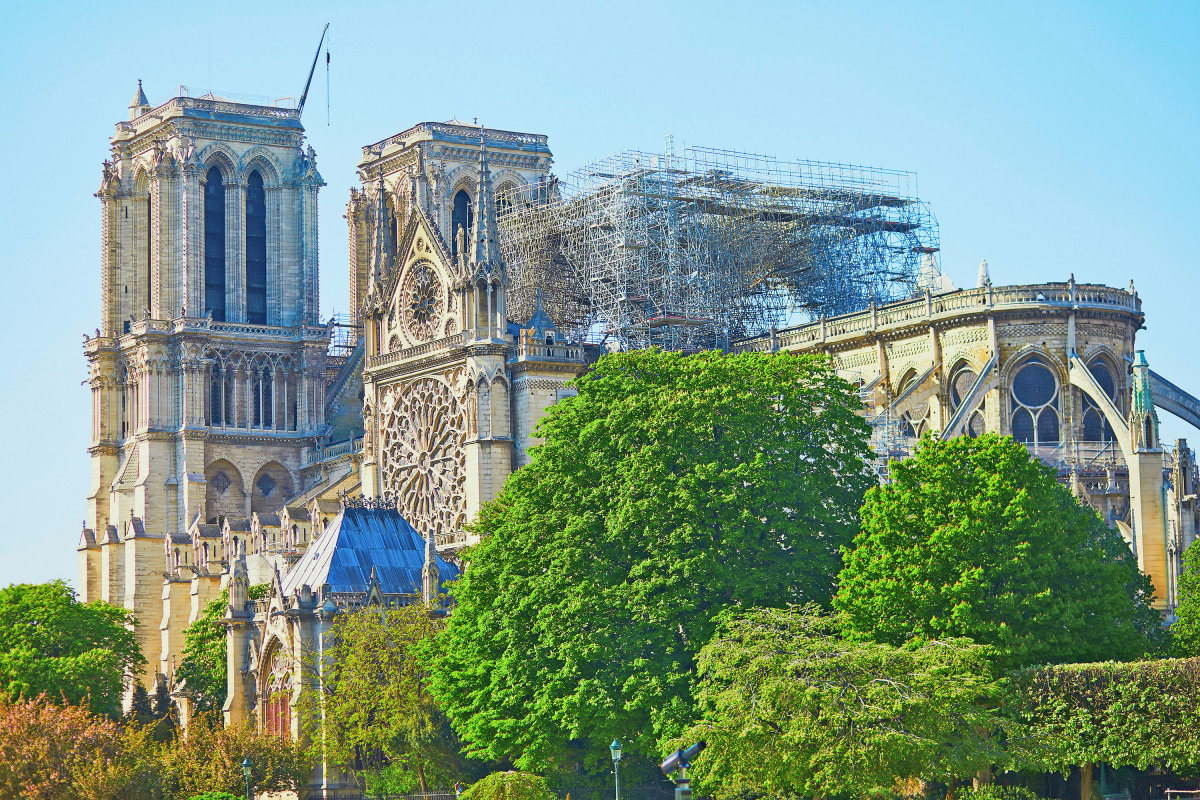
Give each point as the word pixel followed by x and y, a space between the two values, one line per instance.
pixel 358 539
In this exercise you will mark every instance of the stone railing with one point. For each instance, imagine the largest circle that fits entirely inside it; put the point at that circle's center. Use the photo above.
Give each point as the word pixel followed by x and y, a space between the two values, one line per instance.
pixel 225 106
pixel 463 131
pixel 931 308
pixel 543 351
pixel 334 451
pixel 418 350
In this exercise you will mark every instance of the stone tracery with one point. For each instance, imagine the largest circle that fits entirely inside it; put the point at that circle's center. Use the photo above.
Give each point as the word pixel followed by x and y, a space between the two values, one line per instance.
pixel 422 446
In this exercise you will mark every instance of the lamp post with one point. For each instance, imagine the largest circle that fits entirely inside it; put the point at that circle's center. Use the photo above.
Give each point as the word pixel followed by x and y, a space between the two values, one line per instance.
pixel 615 749
pixel 246 767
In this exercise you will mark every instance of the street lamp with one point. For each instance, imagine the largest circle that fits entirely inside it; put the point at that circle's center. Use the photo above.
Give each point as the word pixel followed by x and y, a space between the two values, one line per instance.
pixel 615 749
pixel 246 767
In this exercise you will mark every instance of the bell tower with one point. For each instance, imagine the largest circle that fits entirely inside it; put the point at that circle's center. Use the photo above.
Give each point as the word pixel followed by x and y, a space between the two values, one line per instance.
pixel 207 368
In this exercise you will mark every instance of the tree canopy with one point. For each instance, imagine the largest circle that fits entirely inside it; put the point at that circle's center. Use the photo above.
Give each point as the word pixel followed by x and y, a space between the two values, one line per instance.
pixel 671 488
pixel 378 714
pixel 973 538
pixel 1141 714
pixel 791 709
pixel 77 653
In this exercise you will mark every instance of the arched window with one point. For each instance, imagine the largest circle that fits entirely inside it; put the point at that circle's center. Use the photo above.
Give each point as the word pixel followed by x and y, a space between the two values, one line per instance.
pixel 1095 426
pixel 463 215
pixel 277 701
pixel 1035 404
pixel 961 382
pixel 256 250
pixel 214 244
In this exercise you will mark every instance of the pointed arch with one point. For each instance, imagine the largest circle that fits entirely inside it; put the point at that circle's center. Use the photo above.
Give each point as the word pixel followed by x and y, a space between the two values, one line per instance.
pixel 271 487
pixel 261 159
pixel 224 491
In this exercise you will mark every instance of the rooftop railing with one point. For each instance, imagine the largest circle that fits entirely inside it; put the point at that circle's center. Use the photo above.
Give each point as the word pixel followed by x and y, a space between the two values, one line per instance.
pixel 943 306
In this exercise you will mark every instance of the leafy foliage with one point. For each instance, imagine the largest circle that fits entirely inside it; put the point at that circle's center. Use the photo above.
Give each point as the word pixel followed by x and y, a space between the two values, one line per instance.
pixel 50 643
pixel 790 709
pixel 1185 631
pixel 205 643
pixel 1138 714
pixel 975 539
pixel 672 487
pixel 509 786
pixel 379 715
pixel 995 792
pixel 216 796
pixel 210 759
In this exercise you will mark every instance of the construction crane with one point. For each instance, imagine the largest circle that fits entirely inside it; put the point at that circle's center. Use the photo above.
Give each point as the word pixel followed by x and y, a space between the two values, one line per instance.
pixel 308 83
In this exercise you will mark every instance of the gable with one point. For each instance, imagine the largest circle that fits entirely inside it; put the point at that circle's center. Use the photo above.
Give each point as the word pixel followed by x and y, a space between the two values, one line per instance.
pixel 421 303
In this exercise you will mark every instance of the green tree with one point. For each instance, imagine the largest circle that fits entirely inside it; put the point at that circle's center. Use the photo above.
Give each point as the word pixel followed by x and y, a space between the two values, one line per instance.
pixel 790 709
pixel 672 487
pixel 1185 631
pixel 973 538
pixel 140 710
pixel 379 716
pixel 77 653
pixel 203 665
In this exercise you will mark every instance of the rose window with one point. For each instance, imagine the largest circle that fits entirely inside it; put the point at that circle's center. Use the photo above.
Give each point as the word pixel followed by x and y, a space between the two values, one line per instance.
pixel 423 302
pixel 424 458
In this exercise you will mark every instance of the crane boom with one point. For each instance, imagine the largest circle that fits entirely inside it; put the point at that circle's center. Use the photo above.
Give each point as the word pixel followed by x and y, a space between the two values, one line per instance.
pixel 308 83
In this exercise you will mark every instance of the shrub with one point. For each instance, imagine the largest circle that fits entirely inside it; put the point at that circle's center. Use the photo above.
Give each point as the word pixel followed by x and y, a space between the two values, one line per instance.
pixel 509 786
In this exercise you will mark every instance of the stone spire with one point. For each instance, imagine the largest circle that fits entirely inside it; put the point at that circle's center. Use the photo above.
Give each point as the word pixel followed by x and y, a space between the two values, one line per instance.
pixel 431 576
pixel 984 278
pixel 1143 421
pixel 485 255
pixel 383 231
pixel 139 105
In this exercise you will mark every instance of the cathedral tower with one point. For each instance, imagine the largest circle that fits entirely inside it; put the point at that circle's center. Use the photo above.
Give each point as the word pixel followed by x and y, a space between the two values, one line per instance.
pixel 207 370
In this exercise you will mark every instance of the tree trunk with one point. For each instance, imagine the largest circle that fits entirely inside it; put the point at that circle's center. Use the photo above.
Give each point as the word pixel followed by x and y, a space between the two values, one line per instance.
pixel 951 788
pixel 1085 781
pixel 421 777
pixel 983 777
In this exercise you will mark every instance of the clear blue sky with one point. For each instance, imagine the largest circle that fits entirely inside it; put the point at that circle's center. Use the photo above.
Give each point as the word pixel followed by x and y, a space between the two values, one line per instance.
pixel 1050 138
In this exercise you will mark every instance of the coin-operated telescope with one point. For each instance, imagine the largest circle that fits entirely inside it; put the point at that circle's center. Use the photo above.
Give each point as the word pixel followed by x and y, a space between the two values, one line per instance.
pixel 680 760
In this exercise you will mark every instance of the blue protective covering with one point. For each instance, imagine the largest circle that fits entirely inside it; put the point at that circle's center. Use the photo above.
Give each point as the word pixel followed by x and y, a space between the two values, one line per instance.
pixel 358 539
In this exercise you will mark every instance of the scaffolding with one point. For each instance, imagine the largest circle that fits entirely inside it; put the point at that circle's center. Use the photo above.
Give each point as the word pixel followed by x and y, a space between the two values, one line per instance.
pixel 690 251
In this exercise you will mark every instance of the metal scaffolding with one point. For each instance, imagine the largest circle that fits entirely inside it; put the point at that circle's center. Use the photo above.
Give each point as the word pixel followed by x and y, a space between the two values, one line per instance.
pixel 690 251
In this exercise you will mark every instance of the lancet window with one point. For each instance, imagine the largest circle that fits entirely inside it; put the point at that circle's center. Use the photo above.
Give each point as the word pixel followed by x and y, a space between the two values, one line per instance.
pixel 263 398
pixel 256 250
pixel 463 215
pixel 214 244
pixel 220 403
